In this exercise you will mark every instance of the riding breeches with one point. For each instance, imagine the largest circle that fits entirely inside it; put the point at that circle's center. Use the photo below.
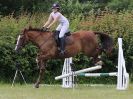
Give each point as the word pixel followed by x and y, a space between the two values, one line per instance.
pixel 63 28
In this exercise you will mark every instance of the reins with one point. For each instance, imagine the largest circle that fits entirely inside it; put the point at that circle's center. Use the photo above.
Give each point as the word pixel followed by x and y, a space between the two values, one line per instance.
pixel 44 40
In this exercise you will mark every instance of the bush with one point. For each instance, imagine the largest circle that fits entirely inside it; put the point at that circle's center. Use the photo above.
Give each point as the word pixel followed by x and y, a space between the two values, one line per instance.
pixel 111 23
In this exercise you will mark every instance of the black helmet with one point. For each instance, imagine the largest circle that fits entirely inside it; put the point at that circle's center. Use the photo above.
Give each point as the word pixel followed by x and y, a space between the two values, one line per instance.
pixel 56 5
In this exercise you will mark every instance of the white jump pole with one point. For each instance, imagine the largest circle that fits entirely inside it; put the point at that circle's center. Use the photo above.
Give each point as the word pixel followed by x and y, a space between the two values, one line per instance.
pixel 78 72
pixel 123 76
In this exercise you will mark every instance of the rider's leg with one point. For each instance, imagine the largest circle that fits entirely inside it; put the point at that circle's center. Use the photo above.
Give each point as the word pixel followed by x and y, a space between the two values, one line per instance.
pixel 57 32
pixel 59 27
pixel 62 45
pixel 64 29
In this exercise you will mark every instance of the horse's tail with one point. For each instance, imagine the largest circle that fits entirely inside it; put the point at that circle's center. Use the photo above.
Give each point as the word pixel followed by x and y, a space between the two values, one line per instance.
pixel 106 42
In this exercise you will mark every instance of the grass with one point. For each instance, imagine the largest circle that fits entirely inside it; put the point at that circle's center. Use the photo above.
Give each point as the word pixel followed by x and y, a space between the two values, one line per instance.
pixel 56 92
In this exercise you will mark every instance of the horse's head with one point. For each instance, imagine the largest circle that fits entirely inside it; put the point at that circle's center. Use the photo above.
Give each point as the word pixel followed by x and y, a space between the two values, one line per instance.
pixel 32 34
pixel 22 40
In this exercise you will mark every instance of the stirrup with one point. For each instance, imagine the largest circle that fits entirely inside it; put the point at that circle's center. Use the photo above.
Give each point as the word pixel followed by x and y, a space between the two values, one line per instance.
pixel 62 52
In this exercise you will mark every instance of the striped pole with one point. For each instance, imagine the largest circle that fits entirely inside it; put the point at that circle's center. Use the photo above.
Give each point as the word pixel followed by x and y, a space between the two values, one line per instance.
pixel 97 74
pixel 78 72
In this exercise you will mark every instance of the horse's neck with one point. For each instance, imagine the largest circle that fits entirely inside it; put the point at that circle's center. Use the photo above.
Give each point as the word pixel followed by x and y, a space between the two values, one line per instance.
pixel 40 38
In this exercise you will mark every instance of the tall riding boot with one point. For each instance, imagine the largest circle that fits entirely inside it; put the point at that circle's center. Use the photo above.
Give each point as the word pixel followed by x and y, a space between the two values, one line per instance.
pixel 62 45
pixel 56 33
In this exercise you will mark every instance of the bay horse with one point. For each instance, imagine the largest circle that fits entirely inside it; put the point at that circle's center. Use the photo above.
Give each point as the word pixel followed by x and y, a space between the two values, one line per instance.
pixel 81 41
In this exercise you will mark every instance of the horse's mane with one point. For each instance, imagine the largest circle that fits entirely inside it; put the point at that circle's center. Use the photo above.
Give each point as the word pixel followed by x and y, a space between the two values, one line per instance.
pixel 35 29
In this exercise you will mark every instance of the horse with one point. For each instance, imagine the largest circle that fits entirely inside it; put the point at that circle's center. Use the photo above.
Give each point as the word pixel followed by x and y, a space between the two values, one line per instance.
pixel 86 42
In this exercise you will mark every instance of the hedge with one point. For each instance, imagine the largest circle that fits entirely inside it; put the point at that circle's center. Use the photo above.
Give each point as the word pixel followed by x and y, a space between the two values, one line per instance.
pixel 111 23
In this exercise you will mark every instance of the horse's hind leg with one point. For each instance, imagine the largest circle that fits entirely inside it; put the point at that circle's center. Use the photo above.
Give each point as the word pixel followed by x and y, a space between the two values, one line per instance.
pixel 41 72
pixel 97 58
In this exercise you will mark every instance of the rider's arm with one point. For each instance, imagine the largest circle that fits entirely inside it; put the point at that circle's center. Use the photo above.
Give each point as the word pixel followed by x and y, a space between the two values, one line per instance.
pixel 49 21
pixel 54 21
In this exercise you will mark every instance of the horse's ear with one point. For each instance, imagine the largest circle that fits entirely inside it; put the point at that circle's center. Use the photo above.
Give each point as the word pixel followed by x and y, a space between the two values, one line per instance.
pixel 25 29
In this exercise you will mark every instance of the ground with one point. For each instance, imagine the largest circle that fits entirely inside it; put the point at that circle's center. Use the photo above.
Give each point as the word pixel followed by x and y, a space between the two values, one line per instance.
pixel 56 92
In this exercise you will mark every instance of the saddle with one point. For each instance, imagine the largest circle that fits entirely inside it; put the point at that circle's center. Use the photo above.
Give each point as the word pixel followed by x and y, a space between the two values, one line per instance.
pixel 68 38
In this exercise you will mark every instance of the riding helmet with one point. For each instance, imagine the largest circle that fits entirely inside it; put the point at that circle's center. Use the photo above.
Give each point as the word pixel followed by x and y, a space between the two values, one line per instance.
pixel 56 5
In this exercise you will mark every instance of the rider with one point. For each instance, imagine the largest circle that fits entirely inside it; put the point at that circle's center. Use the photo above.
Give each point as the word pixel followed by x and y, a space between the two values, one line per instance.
pixel 63 26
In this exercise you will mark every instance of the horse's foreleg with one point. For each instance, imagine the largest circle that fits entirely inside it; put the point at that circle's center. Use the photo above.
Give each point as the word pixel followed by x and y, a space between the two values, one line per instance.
pixel 41 72
pixel 38 63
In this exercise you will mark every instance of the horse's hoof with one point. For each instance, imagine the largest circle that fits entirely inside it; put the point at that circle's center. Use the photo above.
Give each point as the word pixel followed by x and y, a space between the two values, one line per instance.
pixel 99 63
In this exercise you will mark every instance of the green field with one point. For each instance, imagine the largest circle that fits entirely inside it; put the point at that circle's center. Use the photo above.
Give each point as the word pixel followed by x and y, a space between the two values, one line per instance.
pixel 56 92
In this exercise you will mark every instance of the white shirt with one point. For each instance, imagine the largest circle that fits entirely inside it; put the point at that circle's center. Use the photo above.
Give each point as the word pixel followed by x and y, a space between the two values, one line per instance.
pixel 62 19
